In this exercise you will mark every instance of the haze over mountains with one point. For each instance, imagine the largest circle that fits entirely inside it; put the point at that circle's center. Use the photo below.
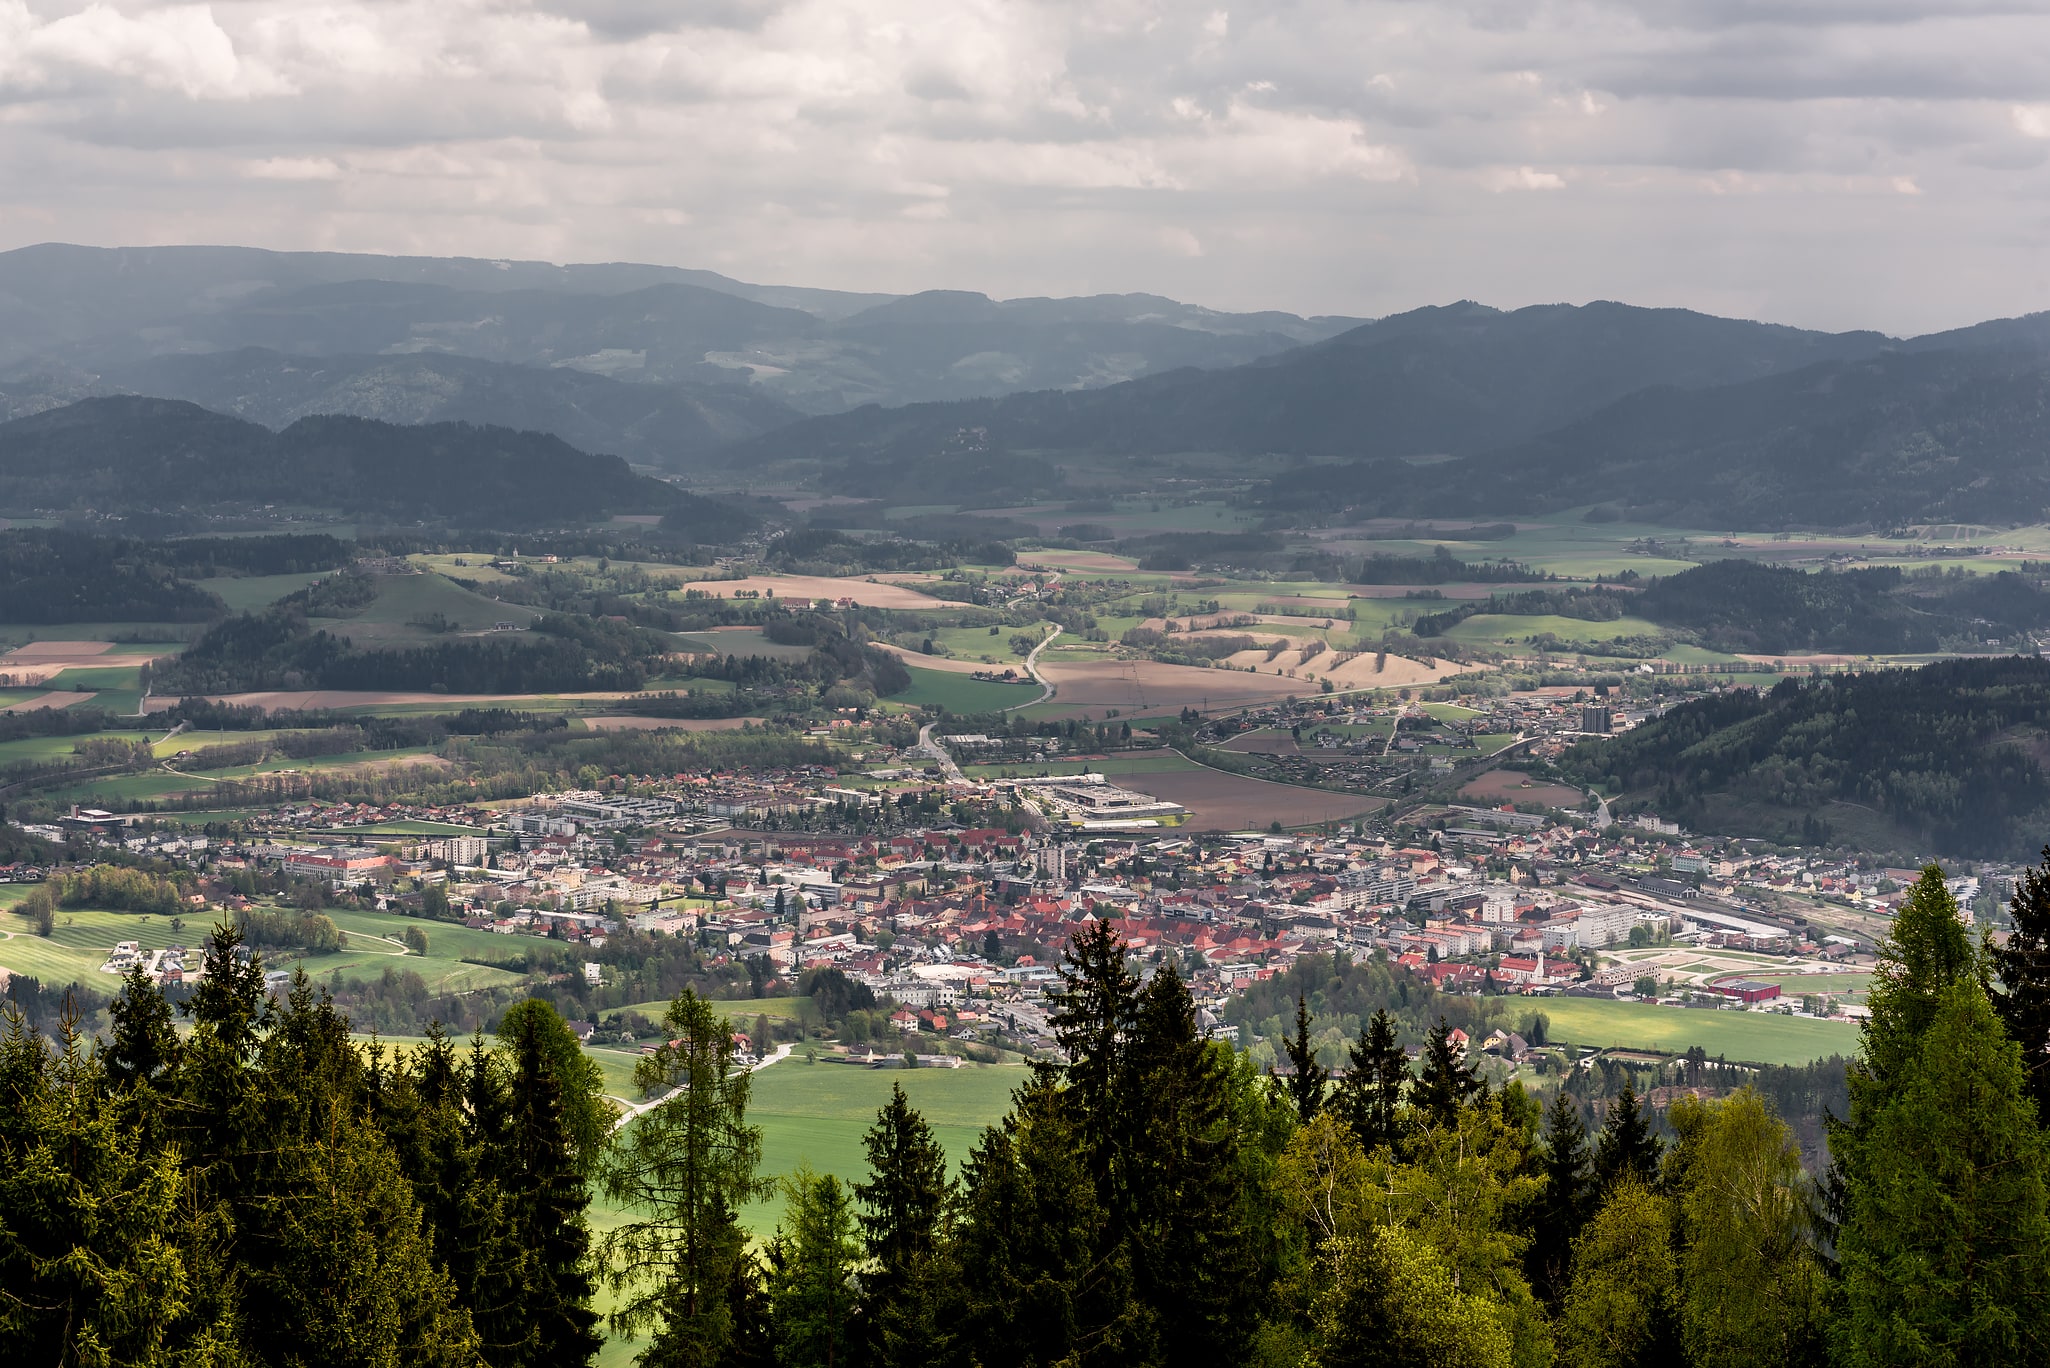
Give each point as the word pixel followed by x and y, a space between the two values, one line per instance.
pixel 1458 409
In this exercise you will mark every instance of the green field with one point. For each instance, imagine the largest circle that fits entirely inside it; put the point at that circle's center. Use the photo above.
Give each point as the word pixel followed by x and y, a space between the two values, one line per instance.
pixel 441 967
pixel 960 694
pixel 740 1011
pixel 1508 629
pixel 149 784
pixel 816 1113
pixel 82 941
pixel 1741 1037
pixel 42 749
pixel 404 600
pixel 248 593
pixel 118 687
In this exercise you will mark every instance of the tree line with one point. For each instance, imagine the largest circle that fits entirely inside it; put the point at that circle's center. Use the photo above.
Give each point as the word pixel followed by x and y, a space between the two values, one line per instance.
pixel 263 1190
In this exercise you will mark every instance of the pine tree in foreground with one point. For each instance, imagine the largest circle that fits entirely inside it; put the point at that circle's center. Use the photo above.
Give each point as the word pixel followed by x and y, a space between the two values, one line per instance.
pixel 2022 994
pixel 684 1168
pixel 1626 1149
pixel 1369 1098
pixel 1945 1246
pixel 1307 1083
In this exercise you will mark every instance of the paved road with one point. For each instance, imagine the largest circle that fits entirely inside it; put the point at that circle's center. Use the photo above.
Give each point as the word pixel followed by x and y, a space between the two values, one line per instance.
pixel 1032 668
pixel 933 750
pixel 632 1109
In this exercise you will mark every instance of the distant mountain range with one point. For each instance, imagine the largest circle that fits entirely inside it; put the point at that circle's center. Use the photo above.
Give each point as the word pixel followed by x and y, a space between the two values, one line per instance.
pixel 76 320
pixel 1661 414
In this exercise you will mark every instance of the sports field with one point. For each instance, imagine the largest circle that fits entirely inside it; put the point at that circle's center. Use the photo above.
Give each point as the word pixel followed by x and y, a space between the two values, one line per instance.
pixel 1740 1037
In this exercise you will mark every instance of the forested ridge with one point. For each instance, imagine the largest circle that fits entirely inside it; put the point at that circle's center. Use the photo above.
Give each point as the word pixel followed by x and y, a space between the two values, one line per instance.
pixel 57 575
pixel 1950 754
pixel 263 1190
pixel 158 458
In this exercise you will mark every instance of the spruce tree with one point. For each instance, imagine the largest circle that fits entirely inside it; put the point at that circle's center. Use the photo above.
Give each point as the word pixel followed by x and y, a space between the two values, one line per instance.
pixel 548 1198
pixel 581 1083
pixel 2022 995
pixel 1190 1258
pixel 143 1047
pixel 814 1260
pixel 1945 1247
pixel 1093 1012
pixel 1926 951
pixel 903 1203
pixel 1626 1148
pixel 1565 1203
pixel 1306 1085
pixel 91 1269
pixel 336 1266
pixel 1039 1278
pixel 1369 1097
pixel 1446 1082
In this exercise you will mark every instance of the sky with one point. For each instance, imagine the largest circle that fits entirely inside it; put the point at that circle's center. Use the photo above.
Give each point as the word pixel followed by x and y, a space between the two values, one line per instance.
pixel 1827 163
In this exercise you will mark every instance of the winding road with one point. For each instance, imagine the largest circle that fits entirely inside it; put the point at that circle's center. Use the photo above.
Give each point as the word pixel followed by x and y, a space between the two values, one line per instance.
pixel 1032 668
pixel 632 1109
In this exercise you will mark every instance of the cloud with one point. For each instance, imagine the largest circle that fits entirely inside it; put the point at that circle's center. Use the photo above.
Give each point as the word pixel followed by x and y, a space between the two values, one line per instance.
pixel 1352 156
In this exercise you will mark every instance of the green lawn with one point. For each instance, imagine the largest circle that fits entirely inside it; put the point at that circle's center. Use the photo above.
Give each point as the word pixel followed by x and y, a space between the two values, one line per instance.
pixel 960 694
pixel 1742 1037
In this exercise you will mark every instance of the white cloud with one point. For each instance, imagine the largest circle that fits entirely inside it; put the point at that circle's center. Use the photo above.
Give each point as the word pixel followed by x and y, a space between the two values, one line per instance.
pixel 1321 155
pixel 1523 178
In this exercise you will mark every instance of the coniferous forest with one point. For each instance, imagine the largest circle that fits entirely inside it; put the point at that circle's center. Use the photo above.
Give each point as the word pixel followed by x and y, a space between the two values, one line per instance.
pixel 239 1182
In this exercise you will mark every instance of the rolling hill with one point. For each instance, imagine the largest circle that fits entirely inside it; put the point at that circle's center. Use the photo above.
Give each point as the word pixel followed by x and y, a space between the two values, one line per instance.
pixel 1950 757
pixel 163 457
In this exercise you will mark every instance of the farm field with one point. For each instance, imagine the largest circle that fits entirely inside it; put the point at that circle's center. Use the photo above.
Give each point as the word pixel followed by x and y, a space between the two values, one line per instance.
pixel 1747 1037
pixel 740 641
pixel 1230 802
pixel 1113 766
pixel 1511 786
pixel 159 783
pixel 83 939
pixel 811 588
pixel 1263 741
pixel 374 947
pixel 116 688
pixel 405 601
pixel 957 693
pixel 381 700
pixel 739 1010
pixel 1509 629
pixel 1147 687
pixel 41 749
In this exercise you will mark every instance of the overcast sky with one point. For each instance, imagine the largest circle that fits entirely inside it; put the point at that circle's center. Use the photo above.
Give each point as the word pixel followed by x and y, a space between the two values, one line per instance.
pixel 1832 163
